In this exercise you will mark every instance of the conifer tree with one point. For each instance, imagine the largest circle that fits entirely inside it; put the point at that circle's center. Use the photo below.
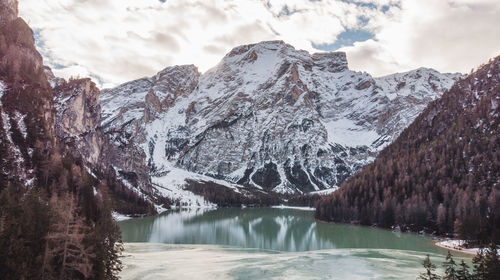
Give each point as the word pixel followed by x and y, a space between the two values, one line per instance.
pixel 450 268
pixel 429 270
pixel 491 263
pixel 479 266
pixel 463 273
pixel 65 247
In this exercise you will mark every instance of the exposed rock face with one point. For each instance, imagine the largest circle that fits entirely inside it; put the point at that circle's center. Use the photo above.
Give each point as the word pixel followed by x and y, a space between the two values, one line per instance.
pixel 78 127
pixel 267 116
pixel 78 119
pixel 140 105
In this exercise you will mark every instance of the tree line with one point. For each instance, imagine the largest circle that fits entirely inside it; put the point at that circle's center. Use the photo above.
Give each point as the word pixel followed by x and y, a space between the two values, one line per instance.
pixel 223 196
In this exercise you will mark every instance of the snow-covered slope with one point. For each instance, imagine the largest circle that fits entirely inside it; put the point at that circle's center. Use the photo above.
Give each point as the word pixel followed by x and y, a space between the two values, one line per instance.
pixel 267 116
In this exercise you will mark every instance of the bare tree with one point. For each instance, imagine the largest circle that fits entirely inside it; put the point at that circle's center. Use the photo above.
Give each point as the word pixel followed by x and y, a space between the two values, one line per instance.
pixel 66 241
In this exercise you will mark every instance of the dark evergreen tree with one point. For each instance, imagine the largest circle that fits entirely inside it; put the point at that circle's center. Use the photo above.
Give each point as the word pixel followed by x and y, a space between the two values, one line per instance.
pixel 491 263
pixel 479 272
pixel 463 273
pixel 430 269
pixel 450 268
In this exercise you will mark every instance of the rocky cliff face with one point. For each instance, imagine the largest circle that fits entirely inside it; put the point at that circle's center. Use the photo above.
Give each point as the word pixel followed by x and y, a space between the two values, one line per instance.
pixel 79 130
pixel 78 119
pixel 267 116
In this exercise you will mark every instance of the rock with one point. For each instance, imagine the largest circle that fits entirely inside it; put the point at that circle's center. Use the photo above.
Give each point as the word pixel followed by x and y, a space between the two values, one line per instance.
pixel 78 119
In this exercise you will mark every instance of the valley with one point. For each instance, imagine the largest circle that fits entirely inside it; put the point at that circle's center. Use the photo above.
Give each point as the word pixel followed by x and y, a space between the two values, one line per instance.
pixel 275 163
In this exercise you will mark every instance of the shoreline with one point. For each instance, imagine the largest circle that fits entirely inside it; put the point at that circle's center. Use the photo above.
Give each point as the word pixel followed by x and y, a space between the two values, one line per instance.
pixel 437 240
pixel 118 217
pixel 455 248
pixel 304 208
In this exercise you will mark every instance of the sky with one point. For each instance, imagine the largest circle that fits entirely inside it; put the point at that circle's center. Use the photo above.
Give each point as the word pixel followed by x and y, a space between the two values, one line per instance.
pixel 115 41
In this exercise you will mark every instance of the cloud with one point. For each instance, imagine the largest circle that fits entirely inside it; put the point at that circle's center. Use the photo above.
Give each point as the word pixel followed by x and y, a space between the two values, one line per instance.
pixel 119 40
pixel 450 36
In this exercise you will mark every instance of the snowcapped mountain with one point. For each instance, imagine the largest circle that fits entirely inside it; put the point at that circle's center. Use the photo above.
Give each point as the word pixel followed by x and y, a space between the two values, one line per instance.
pixel 267 116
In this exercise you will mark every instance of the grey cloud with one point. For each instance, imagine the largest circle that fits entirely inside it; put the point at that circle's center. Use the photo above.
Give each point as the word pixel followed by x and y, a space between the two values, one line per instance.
pixel 214 14
pixel 166 41
pixel 369 56
pixel 129 68
pixel 245 33
pixel 459 40
pixel 214 49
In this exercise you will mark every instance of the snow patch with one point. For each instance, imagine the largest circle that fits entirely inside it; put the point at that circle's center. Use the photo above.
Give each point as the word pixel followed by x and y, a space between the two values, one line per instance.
pixel 120 217
pixel 20 123
pixel 347 133
pixel 30 182
pixel 294 207
pixel 172 185
pixel 3 87
pixel 90 172
pixel 458 245
pixel 6 126
pixel 326 191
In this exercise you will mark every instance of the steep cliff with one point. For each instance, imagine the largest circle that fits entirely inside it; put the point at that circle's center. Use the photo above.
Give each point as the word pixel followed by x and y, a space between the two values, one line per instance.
pixel 79 131
pixel 78 119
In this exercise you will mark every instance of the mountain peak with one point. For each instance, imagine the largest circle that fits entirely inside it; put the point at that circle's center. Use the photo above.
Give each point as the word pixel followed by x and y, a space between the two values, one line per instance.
pixel 271 54
pixel 272 45
pixel 179 69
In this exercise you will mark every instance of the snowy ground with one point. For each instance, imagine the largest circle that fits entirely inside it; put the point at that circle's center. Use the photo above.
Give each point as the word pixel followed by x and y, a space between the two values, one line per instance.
pixel 2 89
pixel 326 191
pixel 348 133
pixel 120 217
pixel 172 186
pixel 294 207
pixel 457 245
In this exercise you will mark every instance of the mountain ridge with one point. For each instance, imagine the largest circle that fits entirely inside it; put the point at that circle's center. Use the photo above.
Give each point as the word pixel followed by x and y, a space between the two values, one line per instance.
pixel 173 119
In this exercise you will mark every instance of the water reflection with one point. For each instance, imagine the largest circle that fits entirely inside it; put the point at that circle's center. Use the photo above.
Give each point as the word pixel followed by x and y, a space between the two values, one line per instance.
pixel 264 228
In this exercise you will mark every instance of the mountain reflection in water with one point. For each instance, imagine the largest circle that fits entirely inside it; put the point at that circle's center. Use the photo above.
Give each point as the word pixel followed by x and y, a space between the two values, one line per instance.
pixel 265 228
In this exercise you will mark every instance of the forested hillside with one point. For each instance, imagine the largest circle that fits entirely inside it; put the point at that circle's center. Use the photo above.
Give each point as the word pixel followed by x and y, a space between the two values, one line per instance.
pixel 53 222
pixel 441 174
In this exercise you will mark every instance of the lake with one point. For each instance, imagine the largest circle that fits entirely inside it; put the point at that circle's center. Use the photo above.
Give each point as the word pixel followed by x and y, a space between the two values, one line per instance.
pixel 267 243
